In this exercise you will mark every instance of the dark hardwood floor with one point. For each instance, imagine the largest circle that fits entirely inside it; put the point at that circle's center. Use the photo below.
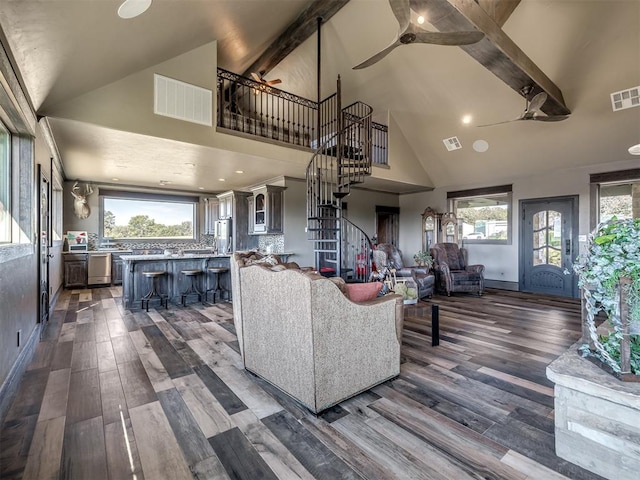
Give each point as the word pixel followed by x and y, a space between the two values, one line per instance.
pixel 121 394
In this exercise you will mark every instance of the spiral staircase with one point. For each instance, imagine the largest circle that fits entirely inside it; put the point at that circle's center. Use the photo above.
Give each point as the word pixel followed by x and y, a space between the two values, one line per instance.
pixel 342 159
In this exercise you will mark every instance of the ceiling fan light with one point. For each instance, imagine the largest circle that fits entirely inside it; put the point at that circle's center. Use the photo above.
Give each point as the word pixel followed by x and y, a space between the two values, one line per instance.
pixel 481 146
pixel 635 149
pixel 133 8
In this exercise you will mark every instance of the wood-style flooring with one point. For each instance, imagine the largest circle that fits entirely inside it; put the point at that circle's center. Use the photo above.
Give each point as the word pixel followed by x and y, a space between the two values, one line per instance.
pixel 118 394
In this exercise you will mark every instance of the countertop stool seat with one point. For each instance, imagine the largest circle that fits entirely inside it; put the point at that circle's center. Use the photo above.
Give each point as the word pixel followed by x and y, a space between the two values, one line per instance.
pixel 193 288
pixel 154 292
pixel 216 272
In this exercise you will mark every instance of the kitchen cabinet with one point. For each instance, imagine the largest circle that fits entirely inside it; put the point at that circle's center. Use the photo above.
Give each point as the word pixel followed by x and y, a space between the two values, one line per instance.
pixel 266 210
pixel 116 268
pixel 235 205
pixel 75 270
pixel 225 205
pixel 211 214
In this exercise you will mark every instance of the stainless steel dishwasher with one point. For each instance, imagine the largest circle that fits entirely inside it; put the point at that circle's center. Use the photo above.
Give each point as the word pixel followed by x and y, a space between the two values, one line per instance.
pixel 99 268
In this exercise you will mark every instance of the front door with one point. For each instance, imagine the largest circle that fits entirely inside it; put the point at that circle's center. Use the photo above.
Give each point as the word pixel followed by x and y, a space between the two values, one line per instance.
pixel 44 226
pixel 548 244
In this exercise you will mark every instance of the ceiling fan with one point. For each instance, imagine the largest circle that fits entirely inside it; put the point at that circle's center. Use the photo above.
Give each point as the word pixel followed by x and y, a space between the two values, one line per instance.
pixel 259 77
pixel 532 109
pixel 410 33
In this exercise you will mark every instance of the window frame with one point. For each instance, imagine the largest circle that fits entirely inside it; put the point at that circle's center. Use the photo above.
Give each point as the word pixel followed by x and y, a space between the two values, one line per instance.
pixel 500 191
pixel 607 178
pixel 152 197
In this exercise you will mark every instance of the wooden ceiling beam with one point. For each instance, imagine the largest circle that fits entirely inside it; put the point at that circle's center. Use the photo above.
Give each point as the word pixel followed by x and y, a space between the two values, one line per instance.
pixel 496 52
pixel 499 10
pixel 302 28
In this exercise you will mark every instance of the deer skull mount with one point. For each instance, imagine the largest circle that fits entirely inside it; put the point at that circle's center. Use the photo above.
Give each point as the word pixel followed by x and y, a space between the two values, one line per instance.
pixel 80 205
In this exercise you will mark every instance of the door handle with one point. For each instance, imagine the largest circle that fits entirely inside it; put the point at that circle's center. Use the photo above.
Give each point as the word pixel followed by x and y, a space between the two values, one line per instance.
pixel 50 255
pixel 567 247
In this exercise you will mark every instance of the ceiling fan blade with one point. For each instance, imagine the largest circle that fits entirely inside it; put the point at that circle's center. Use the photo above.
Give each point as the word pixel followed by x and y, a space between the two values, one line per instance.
pixel 273 82
pixel 500 123
pixel 537 102
pixel 256 77
pixel 378 56
pixel 549 118
pixel 447 38
pixel 402 12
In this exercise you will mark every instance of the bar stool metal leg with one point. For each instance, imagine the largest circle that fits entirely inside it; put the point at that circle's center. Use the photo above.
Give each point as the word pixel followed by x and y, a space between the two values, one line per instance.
pixel 193 288
pixel 154 292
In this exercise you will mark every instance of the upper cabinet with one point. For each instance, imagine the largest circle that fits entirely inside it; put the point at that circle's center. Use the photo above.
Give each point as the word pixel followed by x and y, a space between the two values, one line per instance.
pixel 266 210
pixel 225 205
pixel 210 215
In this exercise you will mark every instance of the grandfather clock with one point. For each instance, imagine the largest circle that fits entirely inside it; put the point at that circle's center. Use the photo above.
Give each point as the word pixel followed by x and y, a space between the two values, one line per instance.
pixel 430 228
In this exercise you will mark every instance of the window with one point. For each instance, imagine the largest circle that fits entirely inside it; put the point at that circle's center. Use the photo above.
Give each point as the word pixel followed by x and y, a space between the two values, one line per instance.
pixel 485 214
pixel 5 185
pixel 613 195
pixel 144 216
pixel 616 200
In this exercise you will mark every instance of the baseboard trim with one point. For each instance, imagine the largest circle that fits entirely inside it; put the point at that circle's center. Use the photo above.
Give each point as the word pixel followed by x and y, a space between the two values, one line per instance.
pixel 502 285
pixel 9 388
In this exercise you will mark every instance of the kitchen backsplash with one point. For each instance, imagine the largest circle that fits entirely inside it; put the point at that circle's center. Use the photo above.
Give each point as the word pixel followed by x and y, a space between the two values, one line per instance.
pixel 205 243
pixel 266 243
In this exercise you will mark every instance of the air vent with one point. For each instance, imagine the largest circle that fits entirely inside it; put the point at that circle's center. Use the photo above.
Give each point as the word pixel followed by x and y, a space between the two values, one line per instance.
pixel 183 101
pixel 452 143
pixel 625 99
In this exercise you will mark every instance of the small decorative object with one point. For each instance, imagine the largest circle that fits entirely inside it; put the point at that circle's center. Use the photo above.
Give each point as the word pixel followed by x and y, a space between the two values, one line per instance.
pixel 80 206
pixel 408 290
pixel 423 259
pixel 609 275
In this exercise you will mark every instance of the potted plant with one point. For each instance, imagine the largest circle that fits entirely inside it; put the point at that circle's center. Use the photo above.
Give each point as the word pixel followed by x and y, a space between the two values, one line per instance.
pixel 423 259
pixel 613 253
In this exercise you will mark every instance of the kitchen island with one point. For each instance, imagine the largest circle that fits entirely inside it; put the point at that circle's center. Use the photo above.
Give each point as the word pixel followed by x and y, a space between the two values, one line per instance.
pixel 135 285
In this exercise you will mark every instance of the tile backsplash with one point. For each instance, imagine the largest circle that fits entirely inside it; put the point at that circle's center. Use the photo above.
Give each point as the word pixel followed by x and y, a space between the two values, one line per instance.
pixel 206 242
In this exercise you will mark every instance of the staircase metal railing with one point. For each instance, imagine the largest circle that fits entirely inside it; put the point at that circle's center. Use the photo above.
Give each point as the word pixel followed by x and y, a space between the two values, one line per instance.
pixel 342 160
pixel 357 254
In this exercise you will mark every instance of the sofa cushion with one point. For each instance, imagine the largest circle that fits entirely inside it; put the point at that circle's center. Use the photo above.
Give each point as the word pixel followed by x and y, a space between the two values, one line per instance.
pixel 362 292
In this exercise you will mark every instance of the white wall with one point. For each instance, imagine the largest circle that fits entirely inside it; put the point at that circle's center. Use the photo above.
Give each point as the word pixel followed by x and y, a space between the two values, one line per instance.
pixel 501 261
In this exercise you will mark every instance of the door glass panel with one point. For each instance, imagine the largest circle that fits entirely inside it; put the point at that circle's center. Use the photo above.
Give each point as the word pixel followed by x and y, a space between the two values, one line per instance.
pixel 547 238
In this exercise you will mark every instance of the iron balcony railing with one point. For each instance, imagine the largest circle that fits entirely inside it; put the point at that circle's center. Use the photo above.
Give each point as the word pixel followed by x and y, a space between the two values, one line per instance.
pixel 254 108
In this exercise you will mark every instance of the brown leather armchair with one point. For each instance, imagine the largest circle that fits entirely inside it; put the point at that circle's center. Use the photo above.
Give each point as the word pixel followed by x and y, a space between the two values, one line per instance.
pixel 387 255
pixel 452 272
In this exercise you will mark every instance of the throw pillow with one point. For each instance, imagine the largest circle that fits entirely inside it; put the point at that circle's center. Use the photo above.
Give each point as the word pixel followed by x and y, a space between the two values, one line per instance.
pixel 362 292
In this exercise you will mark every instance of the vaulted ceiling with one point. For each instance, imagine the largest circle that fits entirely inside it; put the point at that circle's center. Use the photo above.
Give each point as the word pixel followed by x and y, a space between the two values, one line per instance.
pixel 579 51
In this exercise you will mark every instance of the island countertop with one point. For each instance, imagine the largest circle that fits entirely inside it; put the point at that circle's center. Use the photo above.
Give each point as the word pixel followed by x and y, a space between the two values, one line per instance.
pixel 174 256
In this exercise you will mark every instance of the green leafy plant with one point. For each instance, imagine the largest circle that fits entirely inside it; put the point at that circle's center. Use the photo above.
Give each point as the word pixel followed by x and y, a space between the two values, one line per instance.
pixel 424 259
pixel 407 292
pixel 613 252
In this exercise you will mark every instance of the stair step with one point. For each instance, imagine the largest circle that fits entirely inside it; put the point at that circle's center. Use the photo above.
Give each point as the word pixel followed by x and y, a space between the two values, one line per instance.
pixel 326 251
pixel 328 240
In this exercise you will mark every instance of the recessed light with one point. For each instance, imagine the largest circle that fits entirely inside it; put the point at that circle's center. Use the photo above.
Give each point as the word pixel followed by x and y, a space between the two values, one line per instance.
pixel 467 119
pixel 133 8
pixel 200 188
pixel 188 164
pixel 635 150
pixel 481 146
pixel 115 179
pixel 239 171
pixel 221 180
pixel 420 19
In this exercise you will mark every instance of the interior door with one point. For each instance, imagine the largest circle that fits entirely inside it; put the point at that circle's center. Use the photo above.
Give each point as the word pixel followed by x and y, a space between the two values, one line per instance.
pixel 548 245
pixel 44 229
pixel 387 222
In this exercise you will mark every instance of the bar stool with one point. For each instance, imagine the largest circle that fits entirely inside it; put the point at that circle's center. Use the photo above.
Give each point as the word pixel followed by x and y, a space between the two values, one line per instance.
pixel 193 289
pixel 154 276
pixel 216 271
